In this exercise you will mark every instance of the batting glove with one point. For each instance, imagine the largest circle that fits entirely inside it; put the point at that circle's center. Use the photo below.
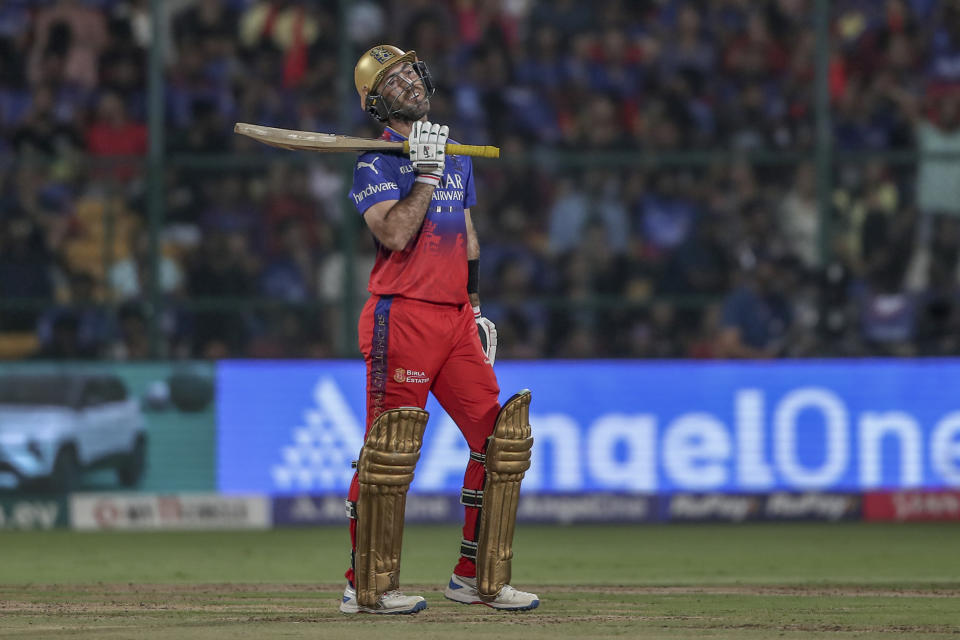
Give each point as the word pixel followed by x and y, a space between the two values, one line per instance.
pixel 428 151
pixel 488 335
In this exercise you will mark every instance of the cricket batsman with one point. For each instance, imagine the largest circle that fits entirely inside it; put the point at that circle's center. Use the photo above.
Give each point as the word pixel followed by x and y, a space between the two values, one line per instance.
pixel 421 331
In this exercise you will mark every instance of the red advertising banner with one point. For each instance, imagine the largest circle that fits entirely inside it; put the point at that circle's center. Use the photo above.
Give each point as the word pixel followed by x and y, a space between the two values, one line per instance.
pixel 911 506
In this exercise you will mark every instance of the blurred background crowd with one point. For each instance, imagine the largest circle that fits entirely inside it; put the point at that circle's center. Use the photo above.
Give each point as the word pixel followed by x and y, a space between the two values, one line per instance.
pixel 660 193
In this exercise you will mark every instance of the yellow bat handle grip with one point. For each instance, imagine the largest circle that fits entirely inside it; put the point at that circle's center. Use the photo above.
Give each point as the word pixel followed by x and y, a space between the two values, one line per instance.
pixel 476 151
pixel 473 150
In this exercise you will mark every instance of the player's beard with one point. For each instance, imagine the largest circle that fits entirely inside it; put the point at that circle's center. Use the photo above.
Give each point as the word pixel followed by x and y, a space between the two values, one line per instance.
pixel 413 112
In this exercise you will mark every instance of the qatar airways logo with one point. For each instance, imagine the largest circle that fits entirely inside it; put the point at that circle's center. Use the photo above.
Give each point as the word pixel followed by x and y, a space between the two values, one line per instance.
pixel 451 189
pixel 372 189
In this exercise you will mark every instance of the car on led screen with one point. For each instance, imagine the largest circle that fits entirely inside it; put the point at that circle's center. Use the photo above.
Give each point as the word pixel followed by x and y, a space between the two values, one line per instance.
pixel 53 427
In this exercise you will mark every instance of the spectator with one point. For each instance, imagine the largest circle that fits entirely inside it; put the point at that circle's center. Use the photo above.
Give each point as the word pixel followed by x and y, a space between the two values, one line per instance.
pixel 25 271
pixel 866 200
pixel 574 210
pixel 641 253
pixel 938 179
pixel 83 317
pixel 130 277
pixel 42 133
pixel 288 273
pixel 520 318
pixel 64 341
pixel 210 23
pixel 113 135
pixel 228 209
pixel 800 218
pixel 123 64
pixel 288 336
pixel 288 199
pixel 133 336
pixel 888 315
pixel 699 265
pixel 75 34
pixel 15 26
pixel 666 218
pixel 756 317
pixel 222 268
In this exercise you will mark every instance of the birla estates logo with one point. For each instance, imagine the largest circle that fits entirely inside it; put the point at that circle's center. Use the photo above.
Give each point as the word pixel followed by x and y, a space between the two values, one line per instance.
pixel 402 375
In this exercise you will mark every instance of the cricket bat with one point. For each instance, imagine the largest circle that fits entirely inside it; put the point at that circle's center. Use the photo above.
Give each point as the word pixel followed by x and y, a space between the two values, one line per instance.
pixel 332 143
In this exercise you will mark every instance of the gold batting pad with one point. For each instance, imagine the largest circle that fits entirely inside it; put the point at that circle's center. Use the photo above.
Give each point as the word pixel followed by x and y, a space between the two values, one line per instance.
pixel 508 457
pixel 387 461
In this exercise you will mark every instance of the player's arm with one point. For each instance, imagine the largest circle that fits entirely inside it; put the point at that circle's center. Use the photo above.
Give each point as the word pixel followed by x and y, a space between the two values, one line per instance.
pixel 473 253
pixel 396 222
pixel 485 327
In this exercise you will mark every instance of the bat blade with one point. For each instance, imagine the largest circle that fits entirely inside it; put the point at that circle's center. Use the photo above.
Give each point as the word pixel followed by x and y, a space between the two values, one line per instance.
pixel 311 141
pixel 333 143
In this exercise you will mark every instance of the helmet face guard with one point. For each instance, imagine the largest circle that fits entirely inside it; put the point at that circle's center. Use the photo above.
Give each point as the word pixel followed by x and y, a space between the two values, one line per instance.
pixel 376 105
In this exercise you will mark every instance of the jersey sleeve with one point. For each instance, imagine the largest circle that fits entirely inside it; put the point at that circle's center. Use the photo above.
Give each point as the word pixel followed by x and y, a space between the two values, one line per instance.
pixel 469 192
pixel 375 179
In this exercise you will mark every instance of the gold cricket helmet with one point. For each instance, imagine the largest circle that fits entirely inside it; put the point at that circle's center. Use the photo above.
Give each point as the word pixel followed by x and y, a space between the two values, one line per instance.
pixel 371 69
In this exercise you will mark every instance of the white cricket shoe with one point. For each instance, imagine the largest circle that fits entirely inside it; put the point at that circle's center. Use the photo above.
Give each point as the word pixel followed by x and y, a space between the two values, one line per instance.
pixel 464 590
pixel 392 602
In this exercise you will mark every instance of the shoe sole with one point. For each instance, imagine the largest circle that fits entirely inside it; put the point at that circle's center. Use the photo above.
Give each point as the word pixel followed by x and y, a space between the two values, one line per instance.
pixel 532 605
pixel 420 606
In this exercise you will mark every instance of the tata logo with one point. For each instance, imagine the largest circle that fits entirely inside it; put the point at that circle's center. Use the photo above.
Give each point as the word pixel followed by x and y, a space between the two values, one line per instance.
pixel 380 54
pixel 29 514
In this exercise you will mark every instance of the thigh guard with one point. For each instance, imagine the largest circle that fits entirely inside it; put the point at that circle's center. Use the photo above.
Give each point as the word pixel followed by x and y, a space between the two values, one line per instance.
pixel 507 458
pixel 385 471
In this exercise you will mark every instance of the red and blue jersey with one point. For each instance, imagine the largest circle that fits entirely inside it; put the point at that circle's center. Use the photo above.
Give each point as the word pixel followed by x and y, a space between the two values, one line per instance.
pixel 433 265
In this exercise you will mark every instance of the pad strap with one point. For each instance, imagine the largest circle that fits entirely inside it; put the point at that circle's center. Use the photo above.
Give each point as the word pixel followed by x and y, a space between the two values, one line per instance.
pixel 471 497
pixel 476 456
pixel 468 549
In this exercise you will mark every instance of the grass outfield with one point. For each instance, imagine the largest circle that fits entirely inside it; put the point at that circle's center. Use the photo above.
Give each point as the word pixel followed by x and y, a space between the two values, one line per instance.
pixel 672 581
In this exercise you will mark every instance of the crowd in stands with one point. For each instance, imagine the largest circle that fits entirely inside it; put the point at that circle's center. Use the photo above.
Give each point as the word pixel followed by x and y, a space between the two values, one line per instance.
pixel 658 195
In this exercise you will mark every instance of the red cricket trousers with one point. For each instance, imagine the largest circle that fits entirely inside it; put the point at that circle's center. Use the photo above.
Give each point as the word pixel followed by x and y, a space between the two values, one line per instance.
pixel 412 347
